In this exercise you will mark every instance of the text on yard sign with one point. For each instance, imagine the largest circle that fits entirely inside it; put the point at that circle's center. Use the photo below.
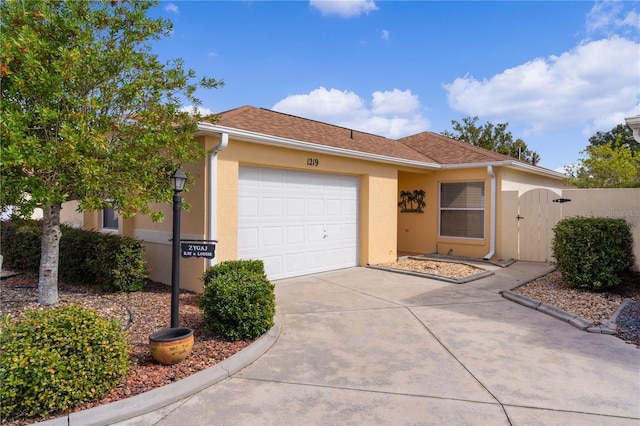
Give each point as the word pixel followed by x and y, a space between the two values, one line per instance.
pixel 198 250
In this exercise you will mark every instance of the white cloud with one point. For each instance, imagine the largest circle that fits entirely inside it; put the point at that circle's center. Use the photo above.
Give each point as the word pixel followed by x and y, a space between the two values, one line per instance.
pixel 385 35
pixel 396 101
pixel 344 8
pixel 592 86
pixel 171 8
pixel 191 109
pixel 611 17
pixel 393 114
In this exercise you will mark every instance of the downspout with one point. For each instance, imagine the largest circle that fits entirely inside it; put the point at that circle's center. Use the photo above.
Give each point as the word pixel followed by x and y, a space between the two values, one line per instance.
pixel 492 221
pixel 213 189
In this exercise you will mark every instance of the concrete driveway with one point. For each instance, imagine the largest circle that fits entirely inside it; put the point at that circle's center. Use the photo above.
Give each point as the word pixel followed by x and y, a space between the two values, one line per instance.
pixel 363 346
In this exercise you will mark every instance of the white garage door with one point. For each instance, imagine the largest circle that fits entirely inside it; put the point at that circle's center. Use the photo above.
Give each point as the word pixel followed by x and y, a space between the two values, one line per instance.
pixel 297 222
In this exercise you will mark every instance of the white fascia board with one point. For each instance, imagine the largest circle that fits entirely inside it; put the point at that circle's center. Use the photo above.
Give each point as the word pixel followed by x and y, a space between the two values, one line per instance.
pixel 634 124
pixel 508 163
pixel 211 129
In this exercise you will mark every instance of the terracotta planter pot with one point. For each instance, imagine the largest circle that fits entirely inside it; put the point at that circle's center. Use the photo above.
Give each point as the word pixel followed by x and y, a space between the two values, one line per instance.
pixel 171 345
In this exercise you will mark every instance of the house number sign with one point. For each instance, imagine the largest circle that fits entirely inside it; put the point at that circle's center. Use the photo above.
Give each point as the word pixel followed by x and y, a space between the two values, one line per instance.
pixel 203 248
pixel 313 162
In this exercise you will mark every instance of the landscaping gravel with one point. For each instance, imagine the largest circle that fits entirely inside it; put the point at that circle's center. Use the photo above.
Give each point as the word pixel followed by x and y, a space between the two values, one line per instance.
pixel 593 306
pixel 628 322
pixel 434 267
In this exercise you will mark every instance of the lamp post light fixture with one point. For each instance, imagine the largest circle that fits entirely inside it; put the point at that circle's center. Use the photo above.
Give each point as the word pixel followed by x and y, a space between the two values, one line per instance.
pixel 172 345
pixel 178 179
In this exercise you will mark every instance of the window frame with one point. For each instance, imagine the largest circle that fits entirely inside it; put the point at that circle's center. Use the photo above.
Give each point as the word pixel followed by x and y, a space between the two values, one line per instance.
pixel 109 214
pixel 482 209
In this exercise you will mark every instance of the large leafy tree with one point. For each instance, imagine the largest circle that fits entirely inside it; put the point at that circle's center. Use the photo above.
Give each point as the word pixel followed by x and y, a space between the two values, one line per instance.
pixel 607 165
pixel 492 137
pixel 618 136
pixel 89 113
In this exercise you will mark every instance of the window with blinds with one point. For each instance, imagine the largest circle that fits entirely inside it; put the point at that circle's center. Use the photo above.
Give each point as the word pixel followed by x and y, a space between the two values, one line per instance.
pixel 462 209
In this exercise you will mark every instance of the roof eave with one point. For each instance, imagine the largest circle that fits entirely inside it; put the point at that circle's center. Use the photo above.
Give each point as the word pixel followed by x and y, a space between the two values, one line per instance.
pixel 513 164
pixel 205 129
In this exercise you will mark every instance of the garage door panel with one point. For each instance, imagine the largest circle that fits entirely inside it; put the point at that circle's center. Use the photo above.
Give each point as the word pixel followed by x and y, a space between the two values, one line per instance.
pixel 273 264
pixel 297 222
pixel 295 208
pixel 334 232
pixel 294 234
pixel 248 238
pixel 270 178
pixel 248 207
pixel 335 256
pixel 349 256
pixel 349 208
pixel 248 177
pixel 334 207
pixel 315 233
pixel 272 236
pixel 291 181
pixel 313 260
pixel 315 181
pixel 349 230
pixel 315 207
pixel 272 207
pixel 294 263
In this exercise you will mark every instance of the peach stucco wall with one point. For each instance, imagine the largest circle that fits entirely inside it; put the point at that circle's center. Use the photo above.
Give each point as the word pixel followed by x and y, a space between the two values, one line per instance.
pixel 418 232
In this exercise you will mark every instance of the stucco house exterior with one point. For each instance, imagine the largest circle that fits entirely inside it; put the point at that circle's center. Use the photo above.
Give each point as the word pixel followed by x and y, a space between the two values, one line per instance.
pixel 306 196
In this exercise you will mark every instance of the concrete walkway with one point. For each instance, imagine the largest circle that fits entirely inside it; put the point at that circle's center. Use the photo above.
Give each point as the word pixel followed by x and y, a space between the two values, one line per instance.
pixel 363 346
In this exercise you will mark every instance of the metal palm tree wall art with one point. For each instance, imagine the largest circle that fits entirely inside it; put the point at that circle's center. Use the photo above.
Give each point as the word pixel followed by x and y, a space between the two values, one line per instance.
pixel 412 201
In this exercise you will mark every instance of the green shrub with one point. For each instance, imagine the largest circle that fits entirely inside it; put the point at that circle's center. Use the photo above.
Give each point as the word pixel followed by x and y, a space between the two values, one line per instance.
pixel 54 359
pixel 78 251
pixel 245 265
pixel 20 245
pixel 114 262
pixel 593 253
pixel 238 300
pixel 120 265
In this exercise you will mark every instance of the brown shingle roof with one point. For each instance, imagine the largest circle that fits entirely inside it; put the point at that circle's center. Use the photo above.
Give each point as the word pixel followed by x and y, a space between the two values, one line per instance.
pixel 445 150
pixel 425 147
pixel 264 121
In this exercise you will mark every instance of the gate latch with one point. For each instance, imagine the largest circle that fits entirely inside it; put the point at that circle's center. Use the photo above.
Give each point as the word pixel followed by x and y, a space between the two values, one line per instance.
pixel 519 217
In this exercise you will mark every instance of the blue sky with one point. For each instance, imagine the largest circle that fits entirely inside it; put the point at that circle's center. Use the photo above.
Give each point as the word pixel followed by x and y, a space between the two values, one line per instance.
pixel 557 72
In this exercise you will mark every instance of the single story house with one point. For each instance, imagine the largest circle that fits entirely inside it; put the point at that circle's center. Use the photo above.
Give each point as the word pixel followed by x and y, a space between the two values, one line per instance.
pixel 306 196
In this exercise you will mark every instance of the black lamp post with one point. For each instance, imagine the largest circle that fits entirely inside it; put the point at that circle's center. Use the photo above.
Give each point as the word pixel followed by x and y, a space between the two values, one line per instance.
pixel 177 183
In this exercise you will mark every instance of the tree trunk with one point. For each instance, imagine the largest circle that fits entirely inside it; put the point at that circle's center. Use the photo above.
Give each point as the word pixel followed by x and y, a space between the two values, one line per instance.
pixel 49 255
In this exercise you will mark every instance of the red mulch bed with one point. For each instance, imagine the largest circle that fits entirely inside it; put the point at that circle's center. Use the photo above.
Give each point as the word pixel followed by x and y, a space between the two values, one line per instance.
pixel 141 313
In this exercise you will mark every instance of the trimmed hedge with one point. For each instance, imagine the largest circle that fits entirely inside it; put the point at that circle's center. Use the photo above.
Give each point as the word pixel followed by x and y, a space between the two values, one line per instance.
pixel 114 262
pixel 238 300
pixel 593 253
pixel 119 264
pixel 54 359
pixel 20 245
pixel 246 266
